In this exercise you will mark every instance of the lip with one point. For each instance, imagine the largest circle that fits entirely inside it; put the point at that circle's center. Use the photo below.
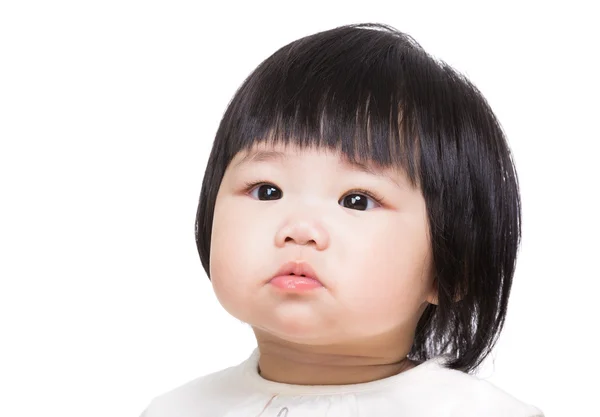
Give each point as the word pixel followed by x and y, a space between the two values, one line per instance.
pixel 299 268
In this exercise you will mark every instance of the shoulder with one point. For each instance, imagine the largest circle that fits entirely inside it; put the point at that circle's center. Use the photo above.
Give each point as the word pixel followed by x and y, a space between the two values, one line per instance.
pixel 204 395
pixel 469 395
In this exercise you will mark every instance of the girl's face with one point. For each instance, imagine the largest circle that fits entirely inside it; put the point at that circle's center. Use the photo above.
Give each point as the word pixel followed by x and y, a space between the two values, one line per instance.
pixel 373 259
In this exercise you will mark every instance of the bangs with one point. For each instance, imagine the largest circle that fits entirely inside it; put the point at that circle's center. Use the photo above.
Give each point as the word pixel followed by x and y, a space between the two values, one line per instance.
pixel 343 90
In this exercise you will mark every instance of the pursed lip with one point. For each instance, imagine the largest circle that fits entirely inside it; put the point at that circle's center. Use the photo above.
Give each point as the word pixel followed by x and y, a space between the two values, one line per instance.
pixel 298 268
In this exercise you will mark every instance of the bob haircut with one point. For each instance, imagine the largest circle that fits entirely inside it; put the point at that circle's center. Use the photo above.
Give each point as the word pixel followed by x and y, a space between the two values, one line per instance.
pixel 372 92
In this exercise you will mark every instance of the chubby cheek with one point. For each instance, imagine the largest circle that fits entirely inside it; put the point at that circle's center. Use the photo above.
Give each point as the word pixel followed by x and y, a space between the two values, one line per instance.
pixel 235 266
pixel 390 275
pixel 227 286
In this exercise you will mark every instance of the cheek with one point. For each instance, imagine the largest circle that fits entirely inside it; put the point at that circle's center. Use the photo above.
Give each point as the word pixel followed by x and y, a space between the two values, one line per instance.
pixel 235 254
pixel 223 253
pixel 229 278
pixel 390 271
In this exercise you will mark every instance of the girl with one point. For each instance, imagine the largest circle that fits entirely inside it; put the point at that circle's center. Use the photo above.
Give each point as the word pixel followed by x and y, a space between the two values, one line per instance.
pixel 361 211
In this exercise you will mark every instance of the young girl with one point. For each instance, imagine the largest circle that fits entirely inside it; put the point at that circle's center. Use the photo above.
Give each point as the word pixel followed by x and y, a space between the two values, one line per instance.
pixel 360 210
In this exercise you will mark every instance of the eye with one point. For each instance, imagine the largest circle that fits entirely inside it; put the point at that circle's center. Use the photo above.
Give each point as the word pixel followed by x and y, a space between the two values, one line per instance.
pixel 266 191
pixel 356 199
pixel 359 199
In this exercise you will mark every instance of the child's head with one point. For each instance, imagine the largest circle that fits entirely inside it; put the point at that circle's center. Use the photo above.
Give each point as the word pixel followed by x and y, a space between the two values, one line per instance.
pixel 355 114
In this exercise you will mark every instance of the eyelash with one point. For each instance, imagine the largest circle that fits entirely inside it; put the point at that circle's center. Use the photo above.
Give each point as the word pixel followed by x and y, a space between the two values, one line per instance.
pixel 378 199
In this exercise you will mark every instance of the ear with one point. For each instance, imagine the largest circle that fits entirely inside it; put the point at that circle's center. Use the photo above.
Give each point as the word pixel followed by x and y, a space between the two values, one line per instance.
pixel 432 296
pixel 432 299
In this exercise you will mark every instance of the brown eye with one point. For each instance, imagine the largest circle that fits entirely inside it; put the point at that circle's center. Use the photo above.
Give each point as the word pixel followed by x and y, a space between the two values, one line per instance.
pixel 357 201
pixel 266 192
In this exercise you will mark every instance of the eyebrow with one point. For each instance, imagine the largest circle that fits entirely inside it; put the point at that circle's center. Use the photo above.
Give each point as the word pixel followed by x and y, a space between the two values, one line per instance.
pixel 281 157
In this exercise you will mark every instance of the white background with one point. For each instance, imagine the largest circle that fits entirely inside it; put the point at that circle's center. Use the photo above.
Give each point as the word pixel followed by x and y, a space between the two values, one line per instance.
pixel 108 110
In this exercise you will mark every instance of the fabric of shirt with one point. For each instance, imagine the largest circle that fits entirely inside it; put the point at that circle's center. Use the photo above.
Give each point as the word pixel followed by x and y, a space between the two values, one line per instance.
pixel 426 390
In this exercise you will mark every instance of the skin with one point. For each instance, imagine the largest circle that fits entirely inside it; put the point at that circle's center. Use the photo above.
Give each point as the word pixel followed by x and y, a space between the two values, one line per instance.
pixel 375 266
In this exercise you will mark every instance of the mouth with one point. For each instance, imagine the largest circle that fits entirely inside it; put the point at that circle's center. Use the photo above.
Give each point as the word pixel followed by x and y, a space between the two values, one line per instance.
pixel 296 277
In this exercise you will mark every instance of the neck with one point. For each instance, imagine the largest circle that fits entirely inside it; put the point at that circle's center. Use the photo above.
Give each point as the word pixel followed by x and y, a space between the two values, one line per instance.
pixel 290 363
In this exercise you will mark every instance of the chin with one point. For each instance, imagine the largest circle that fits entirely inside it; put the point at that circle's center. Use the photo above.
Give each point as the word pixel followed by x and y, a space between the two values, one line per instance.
pixel 312 337
pixel 295 329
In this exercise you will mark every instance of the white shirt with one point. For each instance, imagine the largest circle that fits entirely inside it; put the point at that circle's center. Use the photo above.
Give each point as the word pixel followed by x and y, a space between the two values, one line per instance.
pixel 426 390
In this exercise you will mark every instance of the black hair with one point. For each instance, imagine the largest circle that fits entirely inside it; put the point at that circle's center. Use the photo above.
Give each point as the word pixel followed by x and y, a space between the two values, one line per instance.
pixel 372 92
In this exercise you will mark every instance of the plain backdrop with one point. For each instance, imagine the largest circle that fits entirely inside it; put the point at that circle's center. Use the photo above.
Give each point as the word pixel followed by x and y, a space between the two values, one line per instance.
pixel 108 110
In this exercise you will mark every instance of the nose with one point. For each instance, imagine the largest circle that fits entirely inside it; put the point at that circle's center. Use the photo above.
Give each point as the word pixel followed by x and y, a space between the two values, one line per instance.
pixel 302 233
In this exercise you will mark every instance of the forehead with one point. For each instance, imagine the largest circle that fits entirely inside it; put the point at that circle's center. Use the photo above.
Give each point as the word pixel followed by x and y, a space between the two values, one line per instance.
pixel 280 154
